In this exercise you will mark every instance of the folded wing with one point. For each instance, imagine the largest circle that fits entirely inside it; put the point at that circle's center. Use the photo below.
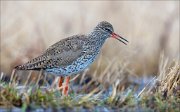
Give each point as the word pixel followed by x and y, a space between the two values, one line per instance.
pixel 61 54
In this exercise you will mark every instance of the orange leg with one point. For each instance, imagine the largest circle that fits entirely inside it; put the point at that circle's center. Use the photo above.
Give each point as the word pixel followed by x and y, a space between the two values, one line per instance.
pixel 60 81
pixel 66 87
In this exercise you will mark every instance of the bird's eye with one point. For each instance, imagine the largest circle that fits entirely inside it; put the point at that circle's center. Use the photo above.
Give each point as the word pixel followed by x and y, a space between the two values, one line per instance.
pixel 107 29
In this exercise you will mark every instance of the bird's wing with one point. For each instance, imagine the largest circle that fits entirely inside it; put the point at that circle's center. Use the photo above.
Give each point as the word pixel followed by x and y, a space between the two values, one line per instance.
pixel 61 54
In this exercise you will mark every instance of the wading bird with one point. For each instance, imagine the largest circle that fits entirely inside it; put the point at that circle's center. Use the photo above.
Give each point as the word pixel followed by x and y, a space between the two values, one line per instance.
pixel 71 55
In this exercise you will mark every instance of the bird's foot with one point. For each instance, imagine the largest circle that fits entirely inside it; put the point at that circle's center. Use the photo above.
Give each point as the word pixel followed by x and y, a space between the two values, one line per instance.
pixel 60 82
pixel 65 90
pixel 66 87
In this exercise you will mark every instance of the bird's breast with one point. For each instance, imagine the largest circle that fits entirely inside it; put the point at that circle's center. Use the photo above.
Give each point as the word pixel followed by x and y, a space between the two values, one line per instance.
pixel 77 66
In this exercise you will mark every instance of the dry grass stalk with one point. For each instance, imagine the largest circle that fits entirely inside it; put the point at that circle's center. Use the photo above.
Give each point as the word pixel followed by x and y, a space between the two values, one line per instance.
pixel 170 83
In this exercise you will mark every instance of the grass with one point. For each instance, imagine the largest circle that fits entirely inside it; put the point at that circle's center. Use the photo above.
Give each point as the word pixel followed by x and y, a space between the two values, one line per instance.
pixel 161 96
pixel 38 99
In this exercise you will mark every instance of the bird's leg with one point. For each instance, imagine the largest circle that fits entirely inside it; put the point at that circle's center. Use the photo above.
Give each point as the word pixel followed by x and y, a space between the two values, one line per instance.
pixel 61 81
pixel 66 87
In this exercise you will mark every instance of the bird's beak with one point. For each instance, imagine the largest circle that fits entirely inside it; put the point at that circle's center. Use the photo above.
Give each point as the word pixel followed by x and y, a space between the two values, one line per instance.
pixel 121 39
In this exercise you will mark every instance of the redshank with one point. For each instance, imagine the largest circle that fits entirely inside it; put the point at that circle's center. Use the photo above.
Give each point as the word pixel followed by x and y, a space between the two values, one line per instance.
pixel 72 55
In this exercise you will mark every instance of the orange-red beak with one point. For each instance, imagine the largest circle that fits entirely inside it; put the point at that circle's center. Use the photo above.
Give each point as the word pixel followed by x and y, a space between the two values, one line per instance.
pixel 121 39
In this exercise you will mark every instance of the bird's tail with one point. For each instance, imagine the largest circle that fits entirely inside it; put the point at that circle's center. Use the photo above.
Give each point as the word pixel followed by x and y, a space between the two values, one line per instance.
pixel 27 67
pixel 20 67
pixel 34 64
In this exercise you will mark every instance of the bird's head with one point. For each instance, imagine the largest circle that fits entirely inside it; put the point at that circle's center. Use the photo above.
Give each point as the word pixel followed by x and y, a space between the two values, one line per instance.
pixel 107 30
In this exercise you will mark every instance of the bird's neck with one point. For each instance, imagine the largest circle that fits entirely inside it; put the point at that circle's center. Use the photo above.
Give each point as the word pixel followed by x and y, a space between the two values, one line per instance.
pixel 97 37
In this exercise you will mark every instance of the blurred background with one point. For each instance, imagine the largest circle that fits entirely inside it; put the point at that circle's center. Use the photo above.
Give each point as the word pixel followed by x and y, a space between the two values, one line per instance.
pixel 152 28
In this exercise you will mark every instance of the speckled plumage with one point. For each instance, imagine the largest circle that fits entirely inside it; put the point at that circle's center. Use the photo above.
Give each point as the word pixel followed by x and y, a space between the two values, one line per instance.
pixel 73 54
